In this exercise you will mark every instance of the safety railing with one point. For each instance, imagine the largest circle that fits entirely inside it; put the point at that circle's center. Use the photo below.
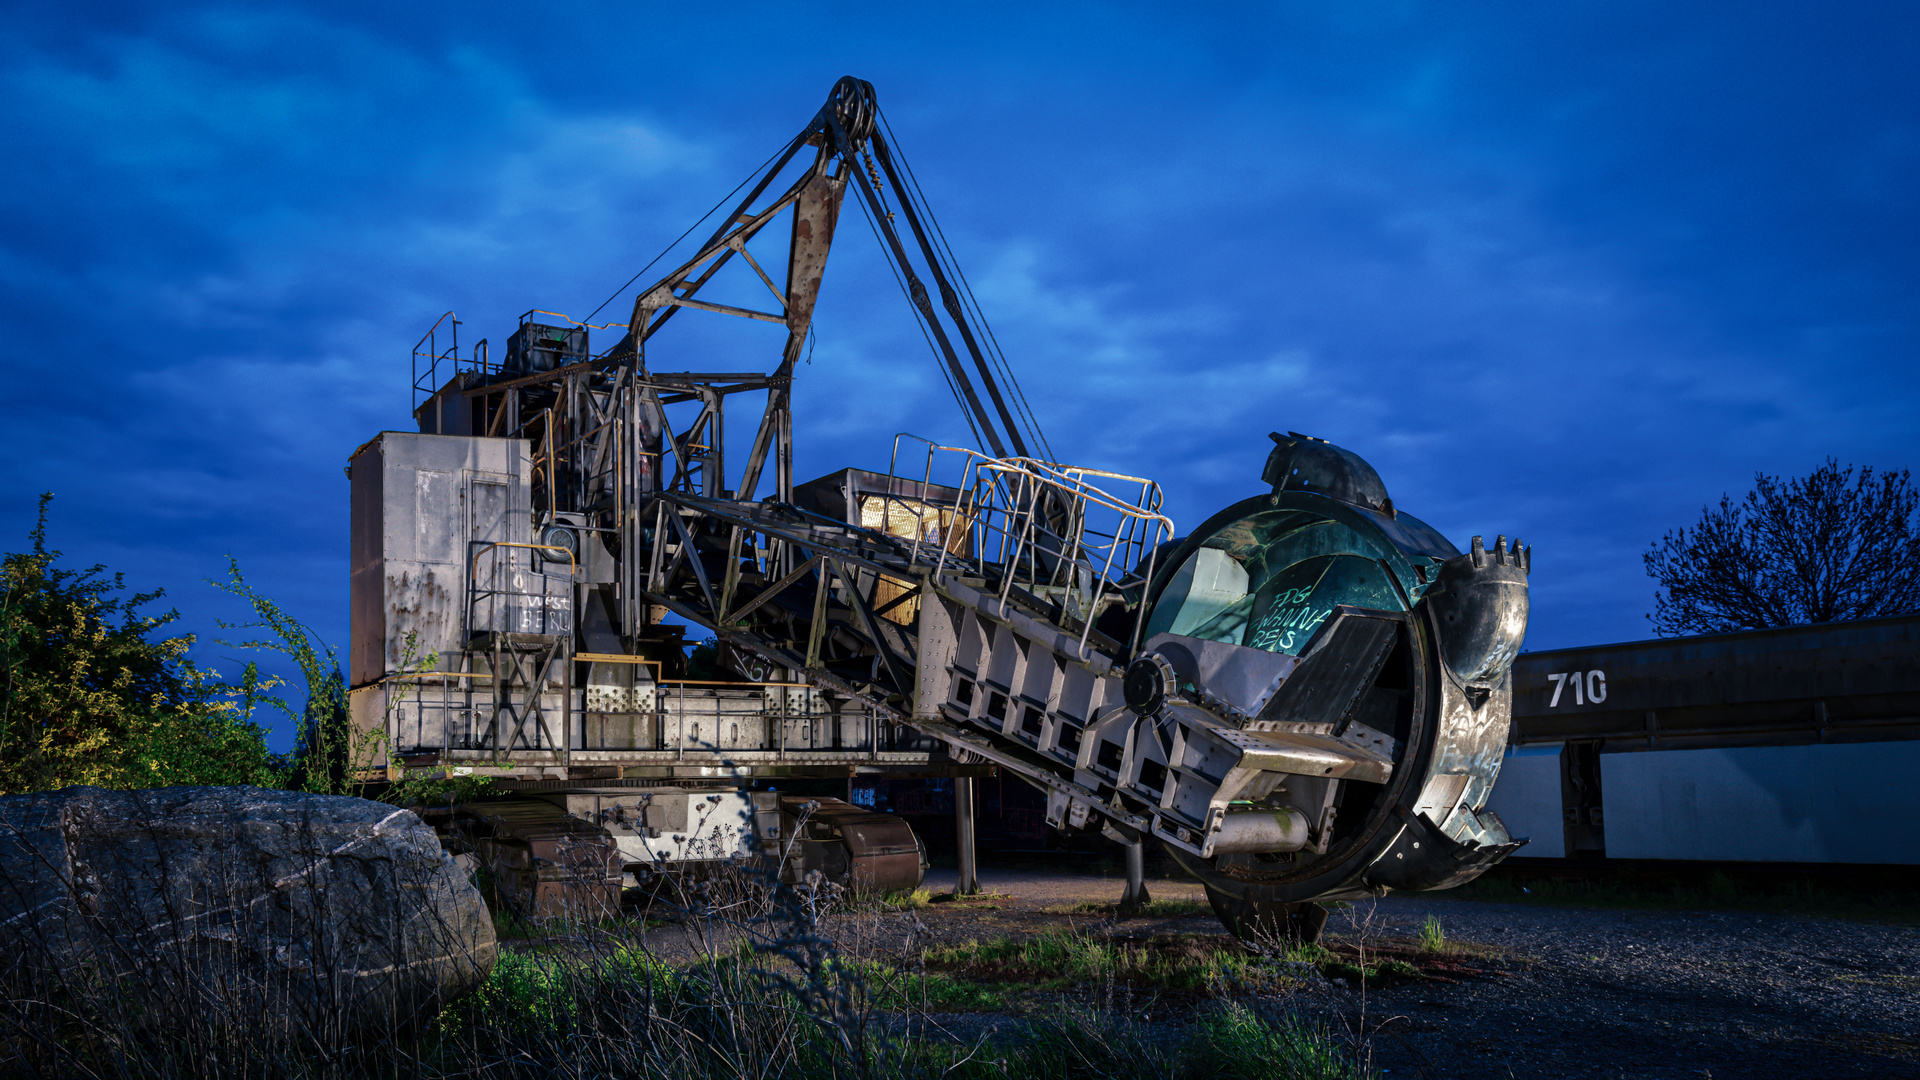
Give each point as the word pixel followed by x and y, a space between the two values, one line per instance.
pixel 428 355
pixel 1043 528
pixel 516 599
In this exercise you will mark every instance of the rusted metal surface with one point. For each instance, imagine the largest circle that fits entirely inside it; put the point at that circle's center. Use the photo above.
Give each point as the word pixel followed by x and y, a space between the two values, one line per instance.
pixel 545 862
pixel 863 850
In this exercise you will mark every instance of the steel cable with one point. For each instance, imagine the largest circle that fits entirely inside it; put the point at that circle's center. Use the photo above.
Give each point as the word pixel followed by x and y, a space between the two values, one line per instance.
pixel 920 321
pixel 971 302
pixel 728 197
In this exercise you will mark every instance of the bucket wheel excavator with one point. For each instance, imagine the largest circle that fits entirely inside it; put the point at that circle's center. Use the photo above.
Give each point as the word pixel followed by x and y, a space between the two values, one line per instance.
pixel 1305 699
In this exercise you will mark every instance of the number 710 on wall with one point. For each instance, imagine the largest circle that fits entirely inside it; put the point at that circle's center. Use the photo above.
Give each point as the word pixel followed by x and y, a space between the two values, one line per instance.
pixel 1589 687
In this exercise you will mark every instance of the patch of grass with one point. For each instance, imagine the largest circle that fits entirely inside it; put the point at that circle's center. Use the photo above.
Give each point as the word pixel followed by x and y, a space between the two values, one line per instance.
pixel 540 988
pixel 1063 959
pixel 1397 969
pixel 933 990
pixel 1387 972
pixel 1231 1042
pixel 1386 964
pixel 898 900
pixel 1081 1041
pixel 1314 953
pixel 893 989
pixel 543 998
pixel 1433 939
pixel 1241 1044
pixel 1196 964
pixel 757 985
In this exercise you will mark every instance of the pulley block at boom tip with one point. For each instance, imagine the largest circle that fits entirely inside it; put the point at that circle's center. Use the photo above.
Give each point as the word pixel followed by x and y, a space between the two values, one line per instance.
pixel 852 108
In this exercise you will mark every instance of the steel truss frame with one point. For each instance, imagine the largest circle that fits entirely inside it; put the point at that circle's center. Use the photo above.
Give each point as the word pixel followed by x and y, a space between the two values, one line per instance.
pixel 634 460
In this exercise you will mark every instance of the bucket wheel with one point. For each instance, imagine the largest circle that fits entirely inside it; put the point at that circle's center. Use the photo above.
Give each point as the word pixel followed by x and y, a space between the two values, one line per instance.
pixel 1271 907
pixel 1267 922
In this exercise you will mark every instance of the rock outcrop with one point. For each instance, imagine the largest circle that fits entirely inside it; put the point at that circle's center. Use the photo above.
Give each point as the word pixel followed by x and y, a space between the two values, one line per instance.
pixel 317 914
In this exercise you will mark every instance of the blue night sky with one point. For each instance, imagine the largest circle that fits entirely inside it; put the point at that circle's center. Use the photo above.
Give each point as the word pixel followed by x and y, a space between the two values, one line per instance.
pixel 1568 271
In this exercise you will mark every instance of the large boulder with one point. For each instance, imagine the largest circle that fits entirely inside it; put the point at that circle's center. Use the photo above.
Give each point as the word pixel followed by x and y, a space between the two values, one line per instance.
pixel 316 915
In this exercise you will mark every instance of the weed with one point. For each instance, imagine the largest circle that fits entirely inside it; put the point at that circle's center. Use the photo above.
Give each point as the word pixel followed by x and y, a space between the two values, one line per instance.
pixel 1399 969
pixel 1066 959
pixel 759 984
pixel 1433 939
pixel 1313 953
pixel 971 898
pixel 1369 967
pixel 868 903
pixel 908 900
pixel 1090 1041
pixel 1242 1044
pixel 902 991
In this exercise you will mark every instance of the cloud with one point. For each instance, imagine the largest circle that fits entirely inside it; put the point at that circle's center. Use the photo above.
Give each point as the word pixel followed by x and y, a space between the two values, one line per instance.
pixel 1560 274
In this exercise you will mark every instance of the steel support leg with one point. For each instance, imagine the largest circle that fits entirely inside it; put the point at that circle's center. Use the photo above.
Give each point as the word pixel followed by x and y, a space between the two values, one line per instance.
pixel 969 883
pixel 1135 898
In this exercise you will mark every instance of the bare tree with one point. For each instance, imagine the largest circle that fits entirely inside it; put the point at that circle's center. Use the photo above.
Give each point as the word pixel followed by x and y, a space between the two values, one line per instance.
pixel 1814 549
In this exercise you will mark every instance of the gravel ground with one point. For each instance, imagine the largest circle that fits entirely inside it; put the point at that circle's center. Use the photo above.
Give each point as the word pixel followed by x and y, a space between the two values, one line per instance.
pixel 1566 992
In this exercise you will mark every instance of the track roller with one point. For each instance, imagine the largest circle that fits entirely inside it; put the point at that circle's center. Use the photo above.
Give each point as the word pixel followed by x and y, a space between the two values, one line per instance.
pixel 862 850
pixel 544 862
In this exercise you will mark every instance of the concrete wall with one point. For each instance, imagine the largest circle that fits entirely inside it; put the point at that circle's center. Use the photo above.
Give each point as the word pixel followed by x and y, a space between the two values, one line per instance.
pixel 1849 803
pixel 1527 798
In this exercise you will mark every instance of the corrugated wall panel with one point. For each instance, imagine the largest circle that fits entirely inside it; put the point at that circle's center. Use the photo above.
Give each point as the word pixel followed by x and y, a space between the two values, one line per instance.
pixel 1849 803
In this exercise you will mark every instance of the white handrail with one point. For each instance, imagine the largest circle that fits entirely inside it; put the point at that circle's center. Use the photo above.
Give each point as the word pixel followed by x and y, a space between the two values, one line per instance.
pixel 1006 496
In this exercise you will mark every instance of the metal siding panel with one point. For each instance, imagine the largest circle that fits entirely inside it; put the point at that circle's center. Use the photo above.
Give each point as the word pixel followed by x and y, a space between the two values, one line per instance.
pixel 1527 798
pixel 417 581
pixel 365 556
pixel 491 505
pixel 426 601
pixel 1837 803
pixel 433 505
pixel 1763 681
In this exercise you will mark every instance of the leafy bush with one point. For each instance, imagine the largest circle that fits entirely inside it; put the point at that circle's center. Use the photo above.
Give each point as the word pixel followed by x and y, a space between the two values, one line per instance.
pixel 322 749
pixel 89 694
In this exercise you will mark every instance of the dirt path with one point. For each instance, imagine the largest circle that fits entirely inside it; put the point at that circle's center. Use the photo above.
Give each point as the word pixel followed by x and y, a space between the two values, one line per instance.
pixel 1037 891
pixel 1569 992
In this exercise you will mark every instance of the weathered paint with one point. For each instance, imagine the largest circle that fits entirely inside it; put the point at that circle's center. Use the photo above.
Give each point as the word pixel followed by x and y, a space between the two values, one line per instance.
pixel 1837 803
pixel 1527 799
pixel 1836 682
pixel 417 500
